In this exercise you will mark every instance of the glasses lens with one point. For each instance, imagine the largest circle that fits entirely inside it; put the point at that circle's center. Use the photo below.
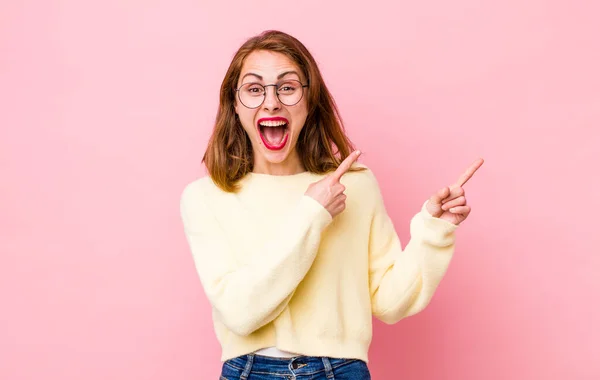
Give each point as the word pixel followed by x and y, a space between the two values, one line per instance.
pixel 290 92
pixel 252 94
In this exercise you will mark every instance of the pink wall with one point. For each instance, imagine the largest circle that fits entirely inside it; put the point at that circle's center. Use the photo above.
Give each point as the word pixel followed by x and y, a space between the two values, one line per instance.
pixel 106 110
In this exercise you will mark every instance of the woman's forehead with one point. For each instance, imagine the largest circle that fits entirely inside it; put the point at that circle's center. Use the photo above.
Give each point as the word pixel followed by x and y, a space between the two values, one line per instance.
pixel 268 66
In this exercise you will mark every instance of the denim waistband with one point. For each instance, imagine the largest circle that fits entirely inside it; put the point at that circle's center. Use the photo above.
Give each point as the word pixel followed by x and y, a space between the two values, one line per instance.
pixel 299 365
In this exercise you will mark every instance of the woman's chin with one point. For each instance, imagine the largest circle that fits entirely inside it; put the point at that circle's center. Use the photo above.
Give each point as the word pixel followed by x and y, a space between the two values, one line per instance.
pixel 274 156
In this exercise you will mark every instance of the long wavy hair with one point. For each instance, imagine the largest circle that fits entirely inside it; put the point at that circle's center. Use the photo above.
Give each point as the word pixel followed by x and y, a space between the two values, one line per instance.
pixel 322 144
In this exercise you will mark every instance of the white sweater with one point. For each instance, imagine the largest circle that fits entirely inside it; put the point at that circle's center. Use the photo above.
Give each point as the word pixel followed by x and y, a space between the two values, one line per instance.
pixel 280 272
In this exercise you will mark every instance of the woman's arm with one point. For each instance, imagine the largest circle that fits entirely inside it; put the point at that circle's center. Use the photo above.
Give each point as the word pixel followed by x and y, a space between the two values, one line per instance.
pixel 403 282
pixel 248 297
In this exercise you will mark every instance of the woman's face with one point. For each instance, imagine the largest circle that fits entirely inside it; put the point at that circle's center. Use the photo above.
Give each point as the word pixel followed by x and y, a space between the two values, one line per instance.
pixel 274 125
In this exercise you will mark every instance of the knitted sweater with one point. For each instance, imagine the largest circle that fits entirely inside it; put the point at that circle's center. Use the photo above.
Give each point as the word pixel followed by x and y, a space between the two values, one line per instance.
pixel 279 271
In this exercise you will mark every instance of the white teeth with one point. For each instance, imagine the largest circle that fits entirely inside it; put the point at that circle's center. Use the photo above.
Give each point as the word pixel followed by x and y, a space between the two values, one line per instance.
pixel 272 123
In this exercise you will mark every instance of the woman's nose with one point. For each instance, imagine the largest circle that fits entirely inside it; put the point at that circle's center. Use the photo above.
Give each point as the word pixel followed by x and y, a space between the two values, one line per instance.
pixel 271 101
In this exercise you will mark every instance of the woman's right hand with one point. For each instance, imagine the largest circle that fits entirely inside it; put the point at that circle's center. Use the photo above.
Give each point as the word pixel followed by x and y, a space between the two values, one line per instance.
pixel 329 192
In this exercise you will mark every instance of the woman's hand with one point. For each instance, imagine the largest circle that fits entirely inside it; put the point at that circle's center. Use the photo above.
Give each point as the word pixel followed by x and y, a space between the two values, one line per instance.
pixel 450 203
pixel 329 192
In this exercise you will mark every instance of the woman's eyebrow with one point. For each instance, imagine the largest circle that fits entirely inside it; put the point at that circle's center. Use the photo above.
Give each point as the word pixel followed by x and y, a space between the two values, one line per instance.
pixel 278 76
pixel 286 73
pixel 256 75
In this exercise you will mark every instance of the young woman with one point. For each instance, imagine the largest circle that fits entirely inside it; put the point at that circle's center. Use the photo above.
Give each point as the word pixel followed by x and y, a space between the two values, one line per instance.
pixel 290 237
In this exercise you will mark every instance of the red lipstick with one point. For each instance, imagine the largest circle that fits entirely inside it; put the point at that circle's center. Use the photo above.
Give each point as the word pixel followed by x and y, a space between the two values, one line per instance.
pixel 270 145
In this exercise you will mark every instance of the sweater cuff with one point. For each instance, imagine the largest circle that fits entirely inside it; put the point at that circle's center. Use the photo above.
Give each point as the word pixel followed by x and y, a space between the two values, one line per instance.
pixel 437 231
pixel 315 211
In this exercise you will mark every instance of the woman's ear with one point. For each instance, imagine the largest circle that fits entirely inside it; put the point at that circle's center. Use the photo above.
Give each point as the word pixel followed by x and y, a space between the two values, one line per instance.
pixel 235 106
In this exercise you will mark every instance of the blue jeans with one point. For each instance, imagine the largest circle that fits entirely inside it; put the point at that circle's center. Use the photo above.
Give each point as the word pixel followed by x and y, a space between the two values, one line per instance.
pixel 257 367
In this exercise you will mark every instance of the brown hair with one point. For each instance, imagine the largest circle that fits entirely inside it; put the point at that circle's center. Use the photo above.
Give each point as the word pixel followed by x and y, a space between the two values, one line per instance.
pixel 322 144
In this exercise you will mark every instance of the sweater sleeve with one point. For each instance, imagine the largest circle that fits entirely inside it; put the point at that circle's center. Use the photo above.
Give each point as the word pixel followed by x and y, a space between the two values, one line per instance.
pixel 402 283
pixel 247 297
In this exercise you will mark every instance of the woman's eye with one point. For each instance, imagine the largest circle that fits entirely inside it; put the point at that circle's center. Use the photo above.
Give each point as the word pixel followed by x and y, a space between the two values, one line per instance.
pixel 255 90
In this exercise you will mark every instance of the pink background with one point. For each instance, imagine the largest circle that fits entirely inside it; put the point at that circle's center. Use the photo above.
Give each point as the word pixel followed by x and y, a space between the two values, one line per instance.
pixel 106 108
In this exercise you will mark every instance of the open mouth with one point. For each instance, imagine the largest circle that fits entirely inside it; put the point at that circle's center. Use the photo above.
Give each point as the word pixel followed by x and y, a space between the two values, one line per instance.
pixel 274 132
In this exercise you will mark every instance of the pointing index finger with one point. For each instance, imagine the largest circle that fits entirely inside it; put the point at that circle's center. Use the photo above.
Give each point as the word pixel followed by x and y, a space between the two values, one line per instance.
pixel 345 165
pixel 469 173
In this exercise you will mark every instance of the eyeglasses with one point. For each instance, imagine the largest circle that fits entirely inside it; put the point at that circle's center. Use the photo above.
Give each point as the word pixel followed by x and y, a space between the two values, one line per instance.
pixel 289 93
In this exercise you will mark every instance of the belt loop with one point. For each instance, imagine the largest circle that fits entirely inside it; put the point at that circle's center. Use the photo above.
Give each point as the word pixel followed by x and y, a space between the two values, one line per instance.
pixel 328 369
pixel 249 362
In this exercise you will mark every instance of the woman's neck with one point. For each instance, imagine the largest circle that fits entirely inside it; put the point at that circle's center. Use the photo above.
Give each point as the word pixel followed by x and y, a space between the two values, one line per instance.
pixel 292 165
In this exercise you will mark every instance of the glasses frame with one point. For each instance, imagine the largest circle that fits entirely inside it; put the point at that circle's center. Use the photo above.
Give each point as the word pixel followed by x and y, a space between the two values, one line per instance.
pixel 264 86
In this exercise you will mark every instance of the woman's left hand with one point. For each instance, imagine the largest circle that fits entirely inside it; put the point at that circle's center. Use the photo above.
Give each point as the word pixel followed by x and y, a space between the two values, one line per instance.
pixel 450 203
